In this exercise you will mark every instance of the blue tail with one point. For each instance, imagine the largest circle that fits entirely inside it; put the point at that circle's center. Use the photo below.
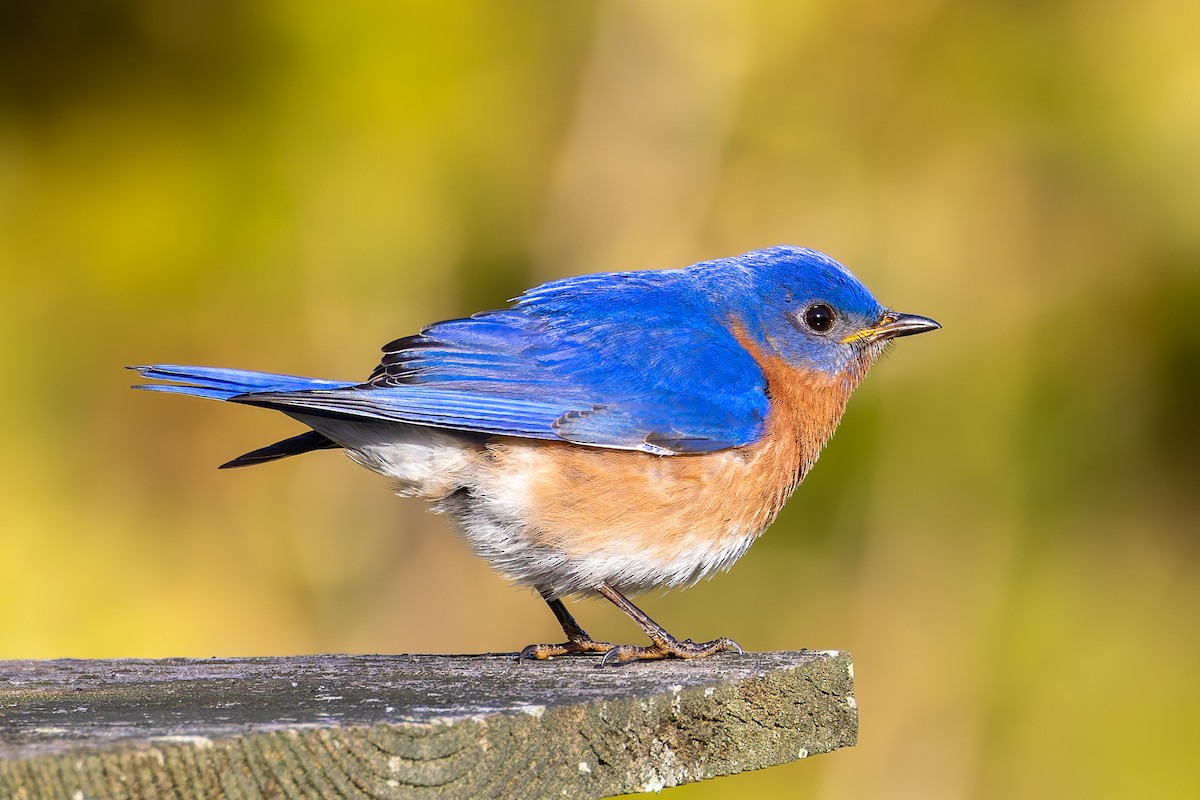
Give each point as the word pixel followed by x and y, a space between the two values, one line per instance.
pixel 221 384
pixel 224 384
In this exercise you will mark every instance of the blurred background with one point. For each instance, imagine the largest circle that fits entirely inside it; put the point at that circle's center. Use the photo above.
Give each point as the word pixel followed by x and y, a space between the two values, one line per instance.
pixel 1004 531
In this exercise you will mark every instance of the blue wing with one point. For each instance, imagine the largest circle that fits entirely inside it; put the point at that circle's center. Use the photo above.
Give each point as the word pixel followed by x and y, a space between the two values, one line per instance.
pixel 637 361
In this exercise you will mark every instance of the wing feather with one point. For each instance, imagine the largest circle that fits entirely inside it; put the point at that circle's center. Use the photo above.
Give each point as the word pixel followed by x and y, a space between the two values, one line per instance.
pixel 637 361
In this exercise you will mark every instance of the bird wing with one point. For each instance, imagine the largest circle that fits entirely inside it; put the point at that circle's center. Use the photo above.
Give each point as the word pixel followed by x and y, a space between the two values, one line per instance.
pixel 635 361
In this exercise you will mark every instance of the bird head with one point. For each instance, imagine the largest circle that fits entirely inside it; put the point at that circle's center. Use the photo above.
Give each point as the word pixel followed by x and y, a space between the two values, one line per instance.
pixel 807 309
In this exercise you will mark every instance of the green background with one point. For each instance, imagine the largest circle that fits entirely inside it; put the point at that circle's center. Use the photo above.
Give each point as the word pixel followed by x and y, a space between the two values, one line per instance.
pixel 1004 531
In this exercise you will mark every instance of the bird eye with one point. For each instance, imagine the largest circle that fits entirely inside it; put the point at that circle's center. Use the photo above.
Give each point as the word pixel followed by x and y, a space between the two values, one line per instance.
pixel 819 317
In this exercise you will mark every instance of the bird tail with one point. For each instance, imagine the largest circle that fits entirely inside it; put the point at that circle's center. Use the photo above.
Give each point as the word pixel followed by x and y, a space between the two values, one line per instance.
pixel 224 384
pixel 294 446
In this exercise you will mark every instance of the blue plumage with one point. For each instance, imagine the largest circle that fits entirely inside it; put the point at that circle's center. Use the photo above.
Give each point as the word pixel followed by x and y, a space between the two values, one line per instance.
pixel 439 408
pixel 625 358
pixel 218 383
pixel 628 360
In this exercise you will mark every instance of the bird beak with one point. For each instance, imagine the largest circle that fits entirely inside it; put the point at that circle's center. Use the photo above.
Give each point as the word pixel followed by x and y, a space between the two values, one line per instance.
pixel 893 325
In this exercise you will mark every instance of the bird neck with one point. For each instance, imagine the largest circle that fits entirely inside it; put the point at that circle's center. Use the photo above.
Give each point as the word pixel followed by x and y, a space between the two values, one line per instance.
pixel 806 405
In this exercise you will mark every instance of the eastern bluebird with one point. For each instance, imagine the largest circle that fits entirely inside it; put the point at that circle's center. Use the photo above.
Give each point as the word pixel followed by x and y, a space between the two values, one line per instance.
pixel 606 434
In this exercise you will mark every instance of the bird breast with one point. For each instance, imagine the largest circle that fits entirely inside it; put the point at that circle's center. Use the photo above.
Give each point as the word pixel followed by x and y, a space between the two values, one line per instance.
pixel 563 518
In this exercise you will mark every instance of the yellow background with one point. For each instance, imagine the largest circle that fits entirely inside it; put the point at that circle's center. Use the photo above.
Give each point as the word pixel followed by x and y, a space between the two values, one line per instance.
pixel 1004 532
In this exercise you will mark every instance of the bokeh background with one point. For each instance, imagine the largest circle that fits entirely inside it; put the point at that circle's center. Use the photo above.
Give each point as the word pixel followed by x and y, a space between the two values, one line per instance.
pixel 1004 531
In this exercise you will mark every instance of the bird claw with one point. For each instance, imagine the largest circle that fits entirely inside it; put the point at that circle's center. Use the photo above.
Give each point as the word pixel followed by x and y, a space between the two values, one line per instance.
pixel 572 647
pixel 669 648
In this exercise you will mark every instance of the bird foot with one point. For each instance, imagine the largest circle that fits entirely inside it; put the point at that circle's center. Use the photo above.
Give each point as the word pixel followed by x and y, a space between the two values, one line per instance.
pixel 669 648
pixel 571 647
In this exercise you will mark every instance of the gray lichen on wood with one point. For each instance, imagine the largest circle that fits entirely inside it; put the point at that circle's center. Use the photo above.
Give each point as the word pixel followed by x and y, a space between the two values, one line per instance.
pixel 410 726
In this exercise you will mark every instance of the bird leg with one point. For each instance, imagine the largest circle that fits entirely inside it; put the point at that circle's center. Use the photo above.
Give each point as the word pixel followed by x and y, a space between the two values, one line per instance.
pixel 578 642
pixel 663 645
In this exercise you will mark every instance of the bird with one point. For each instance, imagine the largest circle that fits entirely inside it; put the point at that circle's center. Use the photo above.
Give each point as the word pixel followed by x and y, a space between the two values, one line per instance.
pixel 605 434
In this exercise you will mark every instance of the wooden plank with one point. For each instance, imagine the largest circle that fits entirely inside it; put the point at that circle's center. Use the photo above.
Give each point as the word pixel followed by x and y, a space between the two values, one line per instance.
pixel 421 726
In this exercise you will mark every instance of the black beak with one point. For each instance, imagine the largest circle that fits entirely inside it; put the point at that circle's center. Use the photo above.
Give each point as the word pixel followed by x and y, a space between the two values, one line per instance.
pixel 893 325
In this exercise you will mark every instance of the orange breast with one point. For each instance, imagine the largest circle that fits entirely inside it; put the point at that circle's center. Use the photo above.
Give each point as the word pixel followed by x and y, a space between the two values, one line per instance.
pixel 592 502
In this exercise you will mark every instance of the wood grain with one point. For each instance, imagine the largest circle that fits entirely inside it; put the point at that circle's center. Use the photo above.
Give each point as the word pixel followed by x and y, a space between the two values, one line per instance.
pixel 421 726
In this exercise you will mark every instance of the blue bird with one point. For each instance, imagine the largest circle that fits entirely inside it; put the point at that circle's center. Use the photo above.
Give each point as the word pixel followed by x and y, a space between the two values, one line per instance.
pixel 605 434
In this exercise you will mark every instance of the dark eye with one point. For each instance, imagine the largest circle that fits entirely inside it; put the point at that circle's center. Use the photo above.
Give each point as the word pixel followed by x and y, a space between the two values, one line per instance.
pixel 819 317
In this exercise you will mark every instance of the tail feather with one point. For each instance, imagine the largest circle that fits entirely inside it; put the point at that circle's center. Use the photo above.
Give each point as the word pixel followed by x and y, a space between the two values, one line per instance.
pixel 221 384
pixel 304 443
pixel 226 384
